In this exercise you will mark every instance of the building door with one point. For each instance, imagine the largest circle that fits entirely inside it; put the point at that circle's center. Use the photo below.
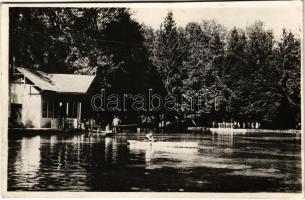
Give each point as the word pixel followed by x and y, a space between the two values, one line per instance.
pixel 16 115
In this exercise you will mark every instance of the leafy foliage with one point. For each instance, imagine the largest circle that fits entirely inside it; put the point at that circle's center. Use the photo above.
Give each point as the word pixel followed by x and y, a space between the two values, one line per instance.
pixel 256 77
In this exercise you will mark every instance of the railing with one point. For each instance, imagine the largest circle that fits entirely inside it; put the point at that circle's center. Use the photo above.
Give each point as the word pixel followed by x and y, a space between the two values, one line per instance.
pixel 225 125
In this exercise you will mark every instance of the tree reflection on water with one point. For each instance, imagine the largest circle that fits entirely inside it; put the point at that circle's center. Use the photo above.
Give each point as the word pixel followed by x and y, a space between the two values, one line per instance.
pixel 82 163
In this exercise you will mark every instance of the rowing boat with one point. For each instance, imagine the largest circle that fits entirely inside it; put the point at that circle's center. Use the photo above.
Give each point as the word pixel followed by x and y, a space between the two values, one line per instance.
pixel 105 133
pixel 150 149
pixel 141 144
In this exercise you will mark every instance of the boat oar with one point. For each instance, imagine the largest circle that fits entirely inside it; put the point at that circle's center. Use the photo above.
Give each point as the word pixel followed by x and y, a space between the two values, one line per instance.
pixel 194 122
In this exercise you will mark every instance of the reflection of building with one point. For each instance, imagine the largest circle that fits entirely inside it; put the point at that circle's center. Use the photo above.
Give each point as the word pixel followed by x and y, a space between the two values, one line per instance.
pixel 42 100
pixel 110 149
pixel 28 161
pixel 224 139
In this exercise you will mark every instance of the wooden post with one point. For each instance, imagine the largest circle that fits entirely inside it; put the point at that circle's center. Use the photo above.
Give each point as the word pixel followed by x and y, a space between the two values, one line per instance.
pixel 79 114
pixel 80 110
pixel 67 109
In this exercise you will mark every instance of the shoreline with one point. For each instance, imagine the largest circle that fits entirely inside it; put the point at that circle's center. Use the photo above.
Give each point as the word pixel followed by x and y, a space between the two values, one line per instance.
pixel 243 131
pixel 30 131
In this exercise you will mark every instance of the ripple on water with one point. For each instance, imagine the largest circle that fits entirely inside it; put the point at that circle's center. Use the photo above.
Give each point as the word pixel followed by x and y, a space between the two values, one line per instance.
pixel 77 163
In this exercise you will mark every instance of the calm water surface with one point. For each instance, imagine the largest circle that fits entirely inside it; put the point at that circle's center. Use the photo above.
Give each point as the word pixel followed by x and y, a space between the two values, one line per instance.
pixel 222 163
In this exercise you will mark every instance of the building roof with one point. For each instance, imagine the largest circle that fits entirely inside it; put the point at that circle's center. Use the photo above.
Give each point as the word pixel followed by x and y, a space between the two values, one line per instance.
pixel 62 83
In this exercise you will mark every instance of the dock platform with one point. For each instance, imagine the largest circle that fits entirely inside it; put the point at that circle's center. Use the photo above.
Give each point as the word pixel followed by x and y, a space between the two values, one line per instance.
pixel 242 131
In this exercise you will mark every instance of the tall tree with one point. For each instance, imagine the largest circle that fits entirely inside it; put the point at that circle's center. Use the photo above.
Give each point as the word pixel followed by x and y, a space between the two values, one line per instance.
pixel 262 98
pixel 168 54
pixel 287 59
pixel 39 38
pixel 150 38
pixel 235 68
pixel 204 65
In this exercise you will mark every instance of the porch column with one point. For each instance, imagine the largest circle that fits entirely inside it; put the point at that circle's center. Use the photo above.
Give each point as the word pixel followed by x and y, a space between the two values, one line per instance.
pixel 67 109
pixel 79 114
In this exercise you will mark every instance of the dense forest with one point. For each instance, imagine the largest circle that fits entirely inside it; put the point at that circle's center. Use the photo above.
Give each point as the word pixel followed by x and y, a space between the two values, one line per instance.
pixel 256 75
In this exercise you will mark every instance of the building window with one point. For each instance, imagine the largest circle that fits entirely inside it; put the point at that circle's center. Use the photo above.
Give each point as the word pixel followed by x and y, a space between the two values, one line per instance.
pixel 55 108
pixel 52 109
pixel 72 109
pixel 44 107
pixel 48 107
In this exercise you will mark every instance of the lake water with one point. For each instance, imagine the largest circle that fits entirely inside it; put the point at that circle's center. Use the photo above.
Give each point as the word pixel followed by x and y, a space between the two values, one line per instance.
pixel 221 163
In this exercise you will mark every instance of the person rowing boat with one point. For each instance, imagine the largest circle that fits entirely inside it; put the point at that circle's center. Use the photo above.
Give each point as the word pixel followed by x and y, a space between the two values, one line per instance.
pixel 149 137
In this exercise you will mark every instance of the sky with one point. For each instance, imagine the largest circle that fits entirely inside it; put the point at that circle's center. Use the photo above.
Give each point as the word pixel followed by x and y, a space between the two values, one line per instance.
pixel 276 15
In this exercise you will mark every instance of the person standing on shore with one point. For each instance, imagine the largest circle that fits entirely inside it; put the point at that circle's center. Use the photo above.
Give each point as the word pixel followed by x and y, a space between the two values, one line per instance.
pixel 115 123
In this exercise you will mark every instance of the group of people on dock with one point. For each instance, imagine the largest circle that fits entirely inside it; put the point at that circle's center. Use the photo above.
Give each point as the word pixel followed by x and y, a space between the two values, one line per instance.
pixel 91 125
pixel 249 125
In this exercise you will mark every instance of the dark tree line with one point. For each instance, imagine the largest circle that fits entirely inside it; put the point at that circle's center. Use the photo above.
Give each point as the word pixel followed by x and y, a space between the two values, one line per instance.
pixel 257 76
pixel 82 41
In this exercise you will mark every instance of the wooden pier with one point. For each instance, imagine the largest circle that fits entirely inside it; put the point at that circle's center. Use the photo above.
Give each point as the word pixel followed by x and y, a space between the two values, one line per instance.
pixel 242 131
